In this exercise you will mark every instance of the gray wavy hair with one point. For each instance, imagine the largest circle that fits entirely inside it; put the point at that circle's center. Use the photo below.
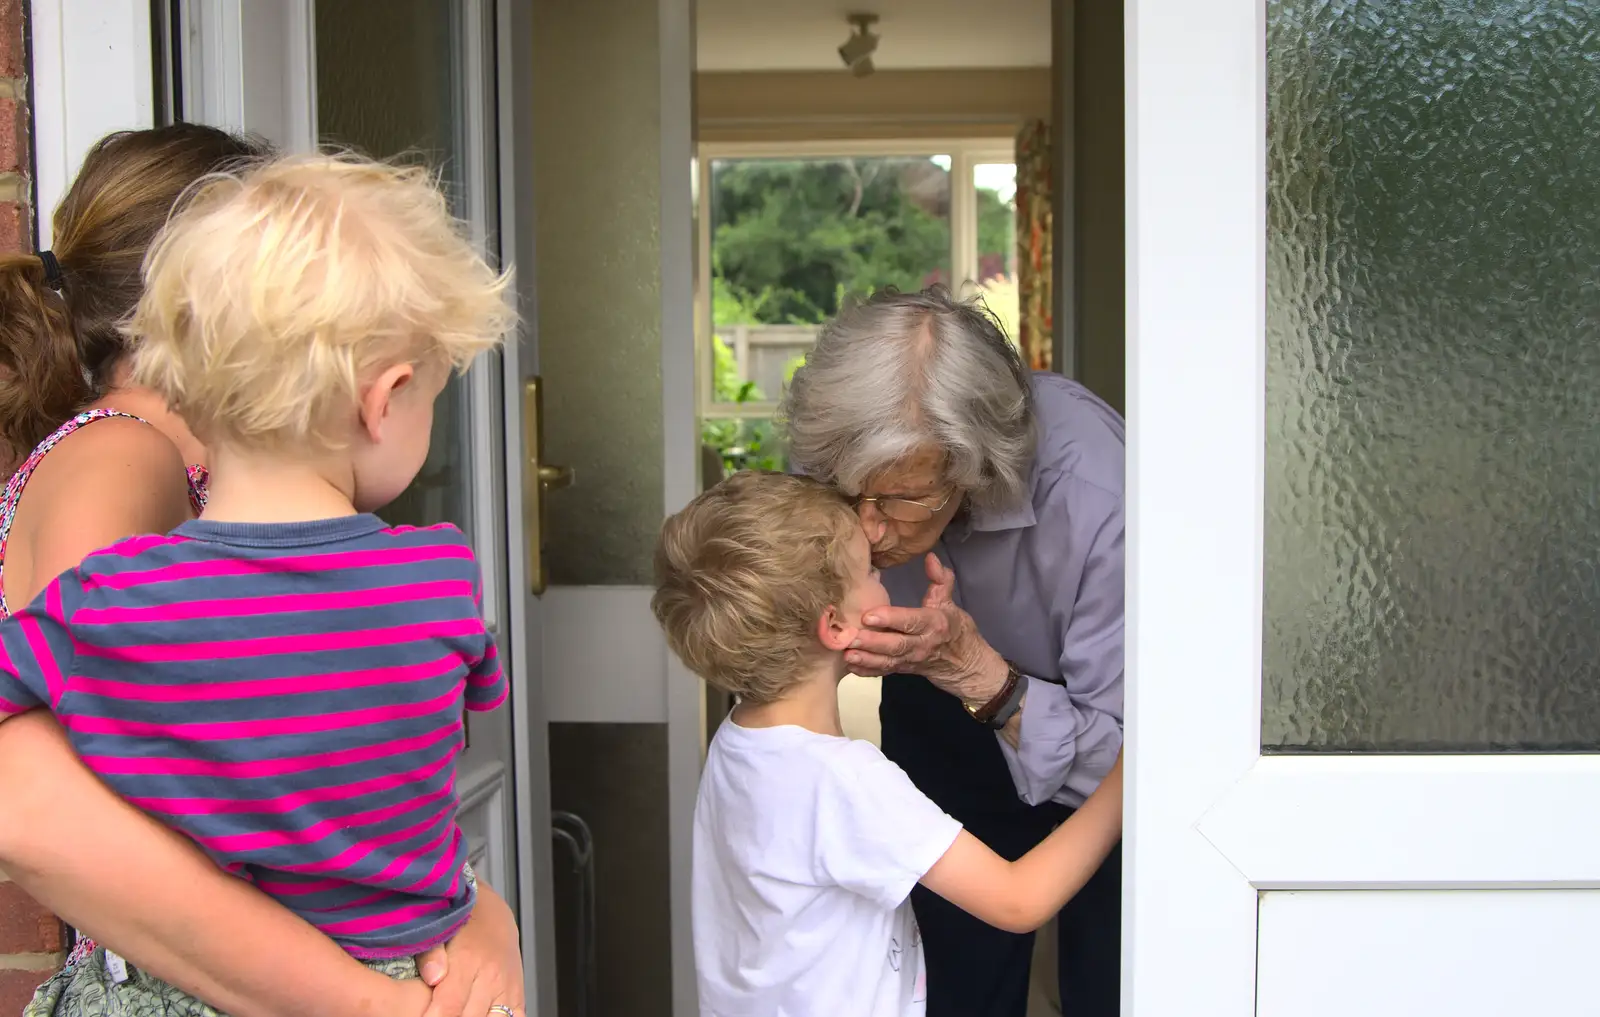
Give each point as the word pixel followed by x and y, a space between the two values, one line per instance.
pixel 898 372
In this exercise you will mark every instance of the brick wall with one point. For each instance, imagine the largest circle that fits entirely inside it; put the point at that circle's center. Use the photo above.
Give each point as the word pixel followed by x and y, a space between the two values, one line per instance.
pixel 30 936
pixel 15 156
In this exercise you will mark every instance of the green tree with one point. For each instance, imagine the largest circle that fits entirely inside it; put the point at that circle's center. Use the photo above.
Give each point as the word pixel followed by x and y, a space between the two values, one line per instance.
pixel 997 231
pixel 792 238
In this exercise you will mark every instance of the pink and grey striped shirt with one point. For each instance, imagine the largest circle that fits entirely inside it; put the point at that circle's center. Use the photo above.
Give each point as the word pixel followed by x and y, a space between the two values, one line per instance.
pixel 289 696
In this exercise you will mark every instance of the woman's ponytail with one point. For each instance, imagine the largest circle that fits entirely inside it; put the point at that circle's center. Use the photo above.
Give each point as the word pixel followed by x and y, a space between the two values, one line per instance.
pixel 61 316
pixel 42 380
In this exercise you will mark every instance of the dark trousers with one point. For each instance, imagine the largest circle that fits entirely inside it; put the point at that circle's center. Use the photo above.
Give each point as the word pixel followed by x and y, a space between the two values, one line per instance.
pixel 974 969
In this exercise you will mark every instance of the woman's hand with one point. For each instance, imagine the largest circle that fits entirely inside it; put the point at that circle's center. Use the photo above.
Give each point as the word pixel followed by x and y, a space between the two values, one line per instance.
pixel 148 893
pixel 937 640
pixel 480 967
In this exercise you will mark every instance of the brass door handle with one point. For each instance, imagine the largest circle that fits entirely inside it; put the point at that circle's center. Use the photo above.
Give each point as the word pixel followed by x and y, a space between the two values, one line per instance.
pixel 538 478
pixel 555 477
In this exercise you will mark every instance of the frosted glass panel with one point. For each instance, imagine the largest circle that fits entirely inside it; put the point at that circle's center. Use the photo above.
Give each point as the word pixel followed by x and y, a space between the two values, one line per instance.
pixel 597 158
pixel 388 85
pixel 1433 376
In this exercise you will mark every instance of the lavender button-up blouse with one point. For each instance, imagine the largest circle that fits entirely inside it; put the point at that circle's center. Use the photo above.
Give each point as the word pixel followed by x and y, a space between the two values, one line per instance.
pixel 1043 581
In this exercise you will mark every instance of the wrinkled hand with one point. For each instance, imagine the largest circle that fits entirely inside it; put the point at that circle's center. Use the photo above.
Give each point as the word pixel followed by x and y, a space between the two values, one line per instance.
pixel 480 967
pixel 937 640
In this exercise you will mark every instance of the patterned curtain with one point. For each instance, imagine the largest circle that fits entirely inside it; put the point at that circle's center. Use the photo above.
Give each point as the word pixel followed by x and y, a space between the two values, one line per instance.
pixel 1034 268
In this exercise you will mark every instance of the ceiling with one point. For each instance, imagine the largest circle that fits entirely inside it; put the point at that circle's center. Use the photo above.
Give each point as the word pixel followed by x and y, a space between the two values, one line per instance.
pixel 804 35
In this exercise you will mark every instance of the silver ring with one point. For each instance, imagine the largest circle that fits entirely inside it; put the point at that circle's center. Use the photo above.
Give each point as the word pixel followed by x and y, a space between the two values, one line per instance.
pixel 502 1008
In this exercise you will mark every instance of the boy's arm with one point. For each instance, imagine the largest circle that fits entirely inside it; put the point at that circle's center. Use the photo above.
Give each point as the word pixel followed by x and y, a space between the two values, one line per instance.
pixel 1021 896
pixel 36 649
pixel 486 682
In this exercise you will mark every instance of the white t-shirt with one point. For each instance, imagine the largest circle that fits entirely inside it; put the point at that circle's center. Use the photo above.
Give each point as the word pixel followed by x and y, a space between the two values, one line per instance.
pixel 806 848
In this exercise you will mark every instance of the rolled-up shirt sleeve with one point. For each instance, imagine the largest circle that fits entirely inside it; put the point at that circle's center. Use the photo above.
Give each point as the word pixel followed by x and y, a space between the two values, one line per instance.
pixel 1071 733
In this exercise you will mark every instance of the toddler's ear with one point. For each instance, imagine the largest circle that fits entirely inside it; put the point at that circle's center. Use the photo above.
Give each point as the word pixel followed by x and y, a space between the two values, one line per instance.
pixel 376 399
pixel 834 632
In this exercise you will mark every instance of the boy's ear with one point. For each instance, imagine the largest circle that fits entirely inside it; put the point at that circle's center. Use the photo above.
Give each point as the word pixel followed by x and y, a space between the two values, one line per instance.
pixel 375 401
pixel 833 631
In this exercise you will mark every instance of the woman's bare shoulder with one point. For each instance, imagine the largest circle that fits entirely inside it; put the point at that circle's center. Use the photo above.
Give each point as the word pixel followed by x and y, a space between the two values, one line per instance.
pixel 110 480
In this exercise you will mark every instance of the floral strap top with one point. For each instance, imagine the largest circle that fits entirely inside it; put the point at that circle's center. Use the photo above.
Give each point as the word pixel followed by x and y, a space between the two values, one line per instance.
pixel 83 946
pixel 19 480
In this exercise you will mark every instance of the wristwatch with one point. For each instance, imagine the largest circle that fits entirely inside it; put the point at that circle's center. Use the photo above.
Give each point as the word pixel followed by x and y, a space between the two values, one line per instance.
pixel 999 710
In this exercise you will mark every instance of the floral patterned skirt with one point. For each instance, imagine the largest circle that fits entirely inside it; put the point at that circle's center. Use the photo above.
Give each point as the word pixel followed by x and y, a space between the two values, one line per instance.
pixel 88 988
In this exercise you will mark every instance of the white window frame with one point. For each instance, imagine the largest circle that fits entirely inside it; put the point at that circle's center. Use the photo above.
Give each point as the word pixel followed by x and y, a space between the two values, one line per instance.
pixel 965 155
pixel 1211 821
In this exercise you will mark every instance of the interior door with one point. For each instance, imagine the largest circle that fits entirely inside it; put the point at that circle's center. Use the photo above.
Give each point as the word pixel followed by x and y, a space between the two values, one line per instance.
pixel 611 194
pixel 1362 601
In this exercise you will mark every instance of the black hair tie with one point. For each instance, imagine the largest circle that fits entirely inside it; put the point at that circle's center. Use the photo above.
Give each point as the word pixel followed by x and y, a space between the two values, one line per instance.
pixel 52 270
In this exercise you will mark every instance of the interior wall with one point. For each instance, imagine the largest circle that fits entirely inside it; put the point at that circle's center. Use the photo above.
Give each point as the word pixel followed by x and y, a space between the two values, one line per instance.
pixel 832 105
pixel 1098 220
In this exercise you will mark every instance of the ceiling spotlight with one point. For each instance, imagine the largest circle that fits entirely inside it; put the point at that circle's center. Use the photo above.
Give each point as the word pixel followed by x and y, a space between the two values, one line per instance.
pixel 858 49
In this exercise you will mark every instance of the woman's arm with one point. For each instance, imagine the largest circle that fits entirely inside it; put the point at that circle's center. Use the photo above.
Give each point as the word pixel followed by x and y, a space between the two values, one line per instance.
pixel 144 890
pixel 154 898
pixel 1022 895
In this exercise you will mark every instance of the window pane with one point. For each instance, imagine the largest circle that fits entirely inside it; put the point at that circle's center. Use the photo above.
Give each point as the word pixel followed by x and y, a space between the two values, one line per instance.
pixel 597 209
pixel 792 238
pixel 387 75
pixel 1433 377
pixel 996 187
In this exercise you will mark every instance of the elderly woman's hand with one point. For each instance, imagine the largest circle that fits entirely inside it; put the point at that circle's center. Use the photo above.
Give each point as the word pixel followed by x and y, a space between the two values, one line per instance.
pixel 937 640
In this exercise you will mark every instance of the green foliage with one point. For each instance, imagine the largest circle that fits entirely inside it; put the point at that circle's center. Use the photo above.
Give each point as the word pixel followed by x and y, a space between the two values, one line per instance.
pixel 794 237
pixel 742 443
pixel 997 232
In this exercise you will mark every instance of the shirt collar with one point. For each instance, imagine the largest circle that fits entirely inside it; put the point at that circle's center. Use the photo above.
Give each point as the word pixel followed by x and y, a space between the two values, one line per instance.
pixel 974 519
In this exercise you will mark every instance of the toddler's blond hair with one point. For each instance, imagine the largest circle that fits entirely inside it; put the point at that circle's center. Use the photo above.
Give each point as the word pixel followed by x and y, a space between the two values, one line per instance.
pixel 744 573
pixel 276 293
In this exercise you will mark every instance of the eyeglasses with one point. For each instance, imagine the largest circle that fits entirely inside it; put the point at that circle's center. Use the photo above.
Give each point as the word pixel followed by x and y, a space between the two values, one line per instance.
pixel 904 510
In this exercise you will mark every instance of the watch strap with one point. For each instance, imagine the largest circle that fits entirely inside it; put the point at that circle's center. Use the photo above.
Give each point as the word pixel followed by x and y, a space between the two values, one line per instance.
pixel 1013 703
pixel 1005 702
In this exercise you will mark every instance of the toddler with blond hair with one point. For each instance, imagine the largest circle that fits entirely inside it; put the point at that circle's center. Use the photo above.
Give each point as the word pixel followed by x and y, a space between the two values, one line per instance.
pixel 283 678
pixel 807 844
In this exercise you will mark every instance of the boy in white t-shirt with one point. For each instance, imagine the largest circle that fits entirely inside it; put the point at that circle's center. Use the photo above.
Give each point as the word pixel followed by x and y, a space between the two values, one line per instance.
pixel 806 843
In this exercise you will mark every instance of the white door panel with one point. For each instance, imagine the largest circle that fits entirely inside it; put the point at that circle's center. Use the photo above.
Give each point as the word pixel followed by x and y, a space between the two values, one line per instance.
pixel 1410 953
pixel 1455 882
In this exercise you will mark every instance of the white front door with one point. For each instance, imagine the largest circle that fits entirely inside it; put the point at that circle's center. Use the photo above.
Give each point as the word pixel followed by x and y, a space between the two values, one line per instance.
pixel 1364 599
pixel 586 190
pixel 440 84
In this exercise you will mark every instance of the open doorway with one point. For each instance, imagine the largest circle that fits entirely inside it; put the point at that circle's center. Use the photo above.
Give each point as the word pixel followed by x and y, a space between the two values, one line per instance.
pixel 901 143
pixel 926 162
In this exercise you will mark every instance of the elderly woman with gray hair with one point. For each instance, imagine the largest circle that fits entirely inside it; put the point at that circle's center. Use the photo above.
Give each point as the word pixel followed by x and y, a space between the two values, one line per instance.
pixel 993 501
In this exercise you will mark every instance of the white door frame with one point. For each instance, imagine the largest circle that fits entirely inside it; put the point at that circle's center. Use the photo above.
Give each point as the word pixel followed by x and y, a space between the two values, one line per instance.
pixel 680 429
pixel 514 22
pixel 1211 822
pixel 91 75
pixel 266 86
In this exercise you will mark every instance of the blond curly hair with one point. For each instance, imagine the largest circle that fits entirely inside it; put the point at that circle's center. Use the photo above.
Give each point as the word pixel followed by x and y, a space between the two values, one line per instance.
pixel 744 573
pixel 276 292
